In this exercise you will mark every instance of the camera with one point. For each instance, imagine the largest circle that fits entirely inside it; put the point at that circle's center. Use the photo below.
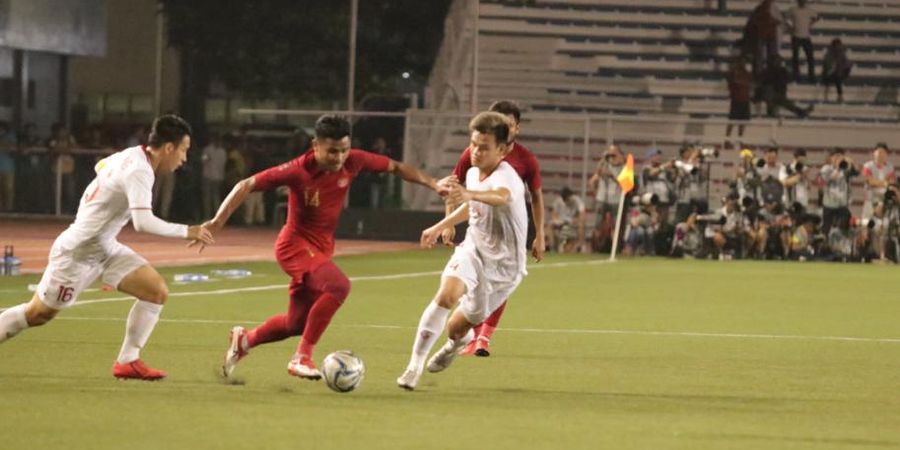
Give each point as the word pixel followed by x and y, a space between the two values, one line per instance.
pixel 748 202
pixel 843 165
pixel 795 167
pixel 868 223
pixel 759 163
pixel 646 199
pixel 890 197
pixel 709 152
pixel 712 219
pixel 689 168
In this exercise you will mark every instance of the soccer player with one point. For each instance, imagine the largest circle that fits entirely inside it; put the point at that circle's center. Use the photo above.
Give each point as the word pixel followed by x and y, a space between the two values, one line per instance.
pixel 526 165
pixel 319 181
pixel 88 249
pixel 489 264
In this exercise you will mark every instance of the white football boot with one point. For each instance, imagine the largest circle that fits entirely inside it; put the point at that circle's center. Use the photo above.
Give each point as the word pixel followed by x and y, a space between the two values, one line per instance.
pixel 410 379
pixel 235 351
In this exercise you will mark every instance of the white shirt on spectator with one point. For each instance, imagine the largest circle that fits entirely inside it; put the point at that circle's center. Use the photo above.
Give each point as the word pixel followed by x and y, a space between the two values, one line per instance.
pixel 214 158
pixel 802 19
pixel 568 210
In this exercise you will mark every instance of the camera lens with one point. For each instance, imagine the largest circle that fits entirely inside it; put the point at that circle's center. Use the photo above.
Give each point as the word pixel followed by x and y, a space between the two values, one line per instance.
pixel 760 163
pixel 843 165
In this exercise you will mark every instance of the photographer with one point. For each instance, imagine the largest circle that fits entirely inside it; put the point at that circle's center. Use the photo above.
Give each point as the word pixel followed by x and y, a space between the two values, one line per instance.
pixel 836 176
pixel 690 177
pixel 724 227
pixel 794 178
pixel 803 240
pixel 655 180
pixel 567 218
pixel 879 173
pixel 688 238
pixel 746 178
pixel 606 196
pixel 642 225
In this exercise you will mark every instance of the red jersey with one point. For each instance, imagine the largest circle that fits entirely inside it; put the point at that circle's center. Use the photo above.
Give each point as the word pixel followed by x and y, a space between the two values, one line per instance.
pixel 520 158
pixel 316 197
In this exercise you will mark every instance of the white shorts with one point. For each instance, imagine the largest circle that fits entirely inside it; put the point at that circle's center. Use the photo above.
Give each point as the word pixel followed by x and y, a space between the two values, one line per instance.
pixel 68 273
pixel 483 296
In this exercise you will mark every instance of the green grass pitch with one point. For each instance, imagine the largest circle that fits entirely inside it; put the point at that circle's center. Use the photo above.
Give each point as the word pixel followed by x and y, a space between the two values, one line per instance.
pixel 639 354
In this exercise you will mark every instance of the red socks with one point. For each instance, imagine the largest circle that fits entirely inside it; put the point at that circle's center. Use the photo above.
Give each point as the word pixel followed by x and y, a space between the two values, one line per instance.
pixel 319 317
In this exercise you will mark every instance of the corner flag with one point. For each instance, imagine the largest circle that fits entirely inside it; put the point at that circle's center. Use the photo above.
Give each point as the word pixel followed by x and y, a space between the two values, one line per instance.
pixel 626 177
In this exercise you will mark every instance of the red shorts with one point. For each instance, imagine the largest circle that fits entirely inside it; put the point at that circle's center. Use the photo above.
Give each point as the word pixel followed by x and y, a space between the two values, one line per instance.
pixel 297 257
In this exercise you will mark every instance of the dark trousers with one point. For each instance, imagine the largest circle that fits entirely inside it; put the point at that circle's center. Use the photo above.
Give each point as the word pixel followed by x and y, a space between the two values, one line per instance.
pixel 806 44
pixel 833 217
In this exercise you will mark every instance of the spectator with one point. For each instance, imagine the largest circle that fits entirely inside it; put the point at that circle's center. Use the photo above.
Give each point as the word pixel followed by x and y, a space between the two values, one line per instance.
pixel 740 82
pixel 771 189
pixel 794 178
pixel 688 239
pixel 567 221
pixel 7 167
pixel 836 174
pixel 655 180
pixel 800 19
pixel 642 225
pixel 137 137
pixel 802 248
pixel 60 145
pixel 761 34
pixel 690 194
pixel 214 158
pixel 607 194
pixel 724 227
pixel 774 90
pixel 254 206
pixel 836 68
pixel 879 174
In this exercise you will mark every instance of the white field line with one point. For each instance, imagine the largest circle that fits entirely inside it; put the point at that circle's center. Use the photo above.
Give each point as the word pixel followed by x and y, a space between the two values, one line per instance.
pixel 545 330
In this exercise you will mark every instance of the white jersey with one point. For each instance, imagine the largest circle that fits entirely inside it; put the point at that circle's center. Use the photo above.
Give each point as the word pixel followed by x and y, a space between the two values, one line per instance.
pixel 498 233
pixel 124 182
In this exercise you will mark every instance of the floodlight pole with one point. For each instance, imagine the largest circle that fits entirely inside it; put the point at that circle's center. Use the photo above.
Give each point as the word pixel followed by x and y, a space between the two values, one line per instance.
pixel 157 82
pixel 474 92
pixel 351 70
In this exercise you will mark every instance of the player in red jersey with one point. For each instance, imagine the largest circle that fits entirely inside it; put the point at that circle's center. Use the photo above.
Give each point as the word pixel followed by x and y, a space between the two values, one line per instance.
pixel 526 165
pixel 319 181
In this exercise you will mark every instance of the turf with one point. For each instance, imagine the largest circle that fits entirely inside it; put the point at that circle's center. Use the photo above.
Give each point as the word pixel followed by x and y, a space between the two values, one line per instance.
pixel 638 354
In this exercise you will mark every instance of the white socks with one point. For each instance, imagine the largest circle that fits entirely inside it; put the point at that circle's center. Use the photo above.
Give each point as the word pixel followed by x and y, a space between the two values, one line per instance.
pixel 12 321
pixel 141 320
pixel 430 326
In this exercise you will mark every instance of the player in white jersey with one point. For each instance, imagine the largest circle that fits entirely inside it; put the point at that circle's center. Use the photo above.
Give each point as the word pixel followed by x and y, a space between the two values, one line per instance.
pixel 489 264
pixel 88 249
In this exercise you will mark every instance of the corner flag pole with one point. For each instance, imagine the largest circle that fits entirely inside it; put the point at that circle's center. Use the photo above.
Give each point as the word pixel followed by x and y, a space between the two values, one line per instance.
pixel 615 243
pixel 626 182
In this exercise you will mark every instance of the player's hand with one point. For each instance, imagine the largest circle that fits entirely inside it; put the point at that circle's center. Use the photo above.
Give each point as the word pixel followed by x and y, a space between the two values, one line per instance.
pixel 199 235
pixel 447 236
pixel 445 184
pixel 538 247
pixel 430 237
pixel 459 195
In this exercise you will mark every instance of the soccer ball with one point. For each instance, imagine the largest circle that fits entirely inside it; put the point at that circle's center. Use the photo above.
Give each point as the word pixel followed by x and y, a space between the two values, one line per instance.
pixel 343 371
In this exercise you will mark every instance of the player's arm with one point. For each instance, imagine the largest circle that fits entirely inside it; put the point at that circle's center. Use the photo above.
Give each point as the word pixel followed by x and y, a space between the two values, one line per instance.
pixel 409 173
pixel 232 202
pixel 139 192
pixel 494 197
pixel 431 234
pixel 537 214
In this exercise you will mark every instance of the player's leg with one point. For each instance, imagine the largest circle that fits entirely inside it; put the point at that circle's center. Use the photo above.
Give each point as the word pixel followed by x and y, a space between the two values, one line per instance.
pixel 431 323
pixel 148 286
pixel 485 332
pixel 330 287
pixel 274 329
pixel 26 315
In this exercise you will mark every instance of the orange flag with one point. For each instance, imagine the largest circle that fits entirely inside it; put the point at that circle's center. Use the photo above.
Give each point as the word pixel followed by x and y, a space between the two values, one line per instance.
pixel 626 177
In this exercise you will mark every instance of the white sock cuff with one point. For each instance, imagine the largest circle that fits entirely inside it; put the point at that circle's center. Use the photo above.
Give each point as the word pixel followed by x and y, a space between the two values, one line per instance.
pixel 152 308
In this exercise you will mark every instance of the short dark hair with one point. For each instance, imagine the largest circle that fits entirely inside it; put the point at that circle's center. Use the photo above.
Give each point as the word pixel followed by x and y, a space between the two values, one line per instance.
pixel 565 193
pixel 799 152
pixel 491 123
pixel 772 149
pixel 332 126
pixel 507 108
pixel 882 145
pixel 837 151
pixel 168 128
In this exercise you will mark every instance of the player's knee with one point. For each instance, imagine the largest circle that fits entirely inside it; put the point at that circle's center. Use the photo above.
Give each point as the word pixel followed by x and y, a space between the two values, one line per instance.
pixel 340 288
pixel 445 300
pixel 158 293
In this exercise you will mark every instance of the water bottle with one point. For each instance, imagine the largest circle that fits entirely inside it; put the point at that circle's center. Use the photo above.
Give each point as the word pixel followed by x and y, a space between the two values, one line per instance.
pixel 231 273
pixel 190 277
pixel 7 259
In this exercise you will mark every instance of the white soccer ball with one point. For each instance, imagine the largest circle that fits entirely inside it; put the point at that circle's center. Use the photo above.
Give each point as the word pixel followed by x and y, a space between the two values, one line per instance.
pixel 343 371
